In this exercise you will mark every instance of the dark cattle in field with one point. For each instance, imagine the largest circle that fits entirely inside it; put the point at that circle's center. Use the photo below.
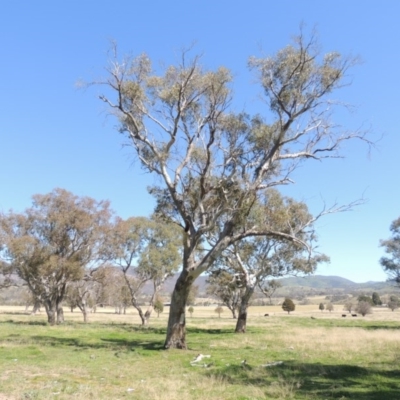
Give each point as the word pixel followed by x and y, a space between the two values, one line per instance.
pixel 266 315
pixel 354 315
pixel 344 315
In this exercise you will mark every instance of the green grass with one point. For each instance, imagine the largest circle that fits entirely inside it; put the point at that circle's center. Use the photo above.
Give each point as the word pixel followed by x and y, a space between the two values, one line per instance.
pixel 327 358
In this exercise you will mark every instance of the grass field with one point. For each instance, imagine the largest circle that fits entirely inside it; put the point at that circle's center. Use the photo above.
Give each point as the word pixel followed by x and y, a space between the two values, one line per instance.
pixel 287 356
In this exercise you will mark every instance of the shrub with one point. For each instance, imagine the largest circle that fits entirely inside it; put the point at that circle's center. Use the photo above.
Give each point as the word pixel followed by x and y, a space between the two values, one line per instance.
pixel 190 309
pixel 288 305
pixel 321 306
pixel 364 308
pixel 329 307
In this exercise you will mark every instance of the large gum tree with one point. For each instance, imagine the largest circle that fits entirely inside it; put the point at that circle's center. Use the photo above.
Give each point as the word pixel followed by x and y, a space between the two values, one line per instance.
pixel 54 243
pixel 213 163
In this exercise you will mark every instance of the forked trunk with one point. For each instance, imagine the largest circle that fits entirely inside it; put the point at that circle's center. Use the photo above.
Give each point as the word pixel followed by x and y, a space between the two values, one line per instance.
pixel 36 307
pixel 233 311
pixel 85 316
pixel 176 330
pixel 141 315
pixel 147 314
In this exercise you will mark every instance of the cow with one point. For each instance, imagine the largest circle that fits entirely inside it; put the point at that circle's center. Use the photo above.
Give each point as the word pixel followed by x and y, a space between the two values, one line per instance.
pixel 344 315
pixel 354 315
pixel 266 315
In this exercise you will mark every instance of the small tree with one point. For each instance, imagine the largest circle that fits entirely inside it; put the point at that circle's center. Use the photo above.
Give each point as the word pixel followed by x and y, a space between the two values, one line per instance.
pixel 393 303
pixel 392 265
pixel 158 306
pixel 364 308
pixel 329 307
pixel 376 299
pixel 190 310
pixel 349 305
pixel 288 305
pixel 321 306
pixel 219 310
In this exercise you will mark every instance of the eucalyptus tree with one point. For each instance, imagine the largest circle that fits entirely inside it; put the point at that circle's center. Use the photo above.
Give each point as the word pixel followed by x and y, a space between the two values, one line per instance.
pixel 222 284
pixel 391 264
pixel 54 243
pixel 269 287
pixel 257 259
pixel 213 163
pixel 87 293
pixel 146 251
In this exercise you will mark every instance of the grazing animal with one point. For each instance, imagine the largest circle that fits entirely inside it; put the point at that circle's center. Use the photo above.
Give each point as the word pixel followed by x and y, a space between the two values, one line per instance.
pixel 344 315
pixel 266 315
pixel 354 315
pixel 313 318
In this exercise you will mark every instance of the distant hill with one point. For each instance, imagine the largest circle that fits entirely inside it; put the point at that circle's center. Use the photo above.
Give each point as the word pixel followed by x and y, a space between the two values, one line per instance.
pixel 317 282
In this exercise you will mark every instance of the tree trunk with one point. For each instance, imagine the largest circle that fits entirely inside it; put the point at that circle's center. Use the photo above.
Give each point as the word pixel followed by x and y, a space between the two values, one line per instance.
pixel 51 311
pixel 85 315
pixel 244 305
pixel 241 322
pixel 36 308
pixel 60 315
pixel 176 331
pixel 233 311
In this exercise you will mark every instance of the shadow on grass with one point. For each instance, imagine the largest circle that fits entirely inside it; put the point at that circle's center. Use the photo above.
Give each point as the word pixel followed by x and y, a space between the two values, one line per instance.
pixel 379 327
pixel 11 321
pixel 209 331
pixel 102 343
pixel 318 381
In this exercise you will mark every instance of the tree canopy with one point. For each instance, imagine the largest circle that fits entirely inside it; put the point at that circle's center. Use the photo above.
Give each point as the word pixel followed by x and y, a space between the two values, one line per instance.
pixel 391 264
pixel 55 242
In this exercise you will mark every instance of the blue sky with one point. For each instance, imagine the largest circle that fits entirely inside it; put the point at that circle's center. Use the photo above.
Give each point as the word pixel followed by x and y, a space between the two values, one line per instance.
pixel 54 135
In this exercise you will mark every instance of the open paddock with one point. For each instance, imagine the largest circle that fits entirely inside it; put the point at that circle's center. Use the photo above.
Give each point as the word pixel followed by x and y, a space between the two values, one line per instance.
pixel 280 357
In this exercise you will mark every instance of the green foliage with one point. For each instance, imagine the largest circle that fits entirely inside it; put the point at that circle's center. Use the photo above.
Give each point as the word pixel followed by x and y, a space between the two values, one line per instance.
pixel 391 265
pixel 288 305
pixel 376 300
pixel 158 306
pixel 55 242
pixel 393 303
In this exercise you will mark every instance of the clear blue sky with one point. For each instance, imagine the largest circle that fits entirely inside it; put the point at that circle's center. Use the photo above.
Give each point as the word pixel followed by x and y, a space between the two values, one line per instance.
pixel 53 135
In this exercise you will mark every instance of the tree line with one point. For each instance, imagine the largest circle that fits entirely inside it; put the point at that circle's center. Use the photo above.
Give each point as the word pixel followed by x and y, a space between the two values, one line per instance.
pixel 74 248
